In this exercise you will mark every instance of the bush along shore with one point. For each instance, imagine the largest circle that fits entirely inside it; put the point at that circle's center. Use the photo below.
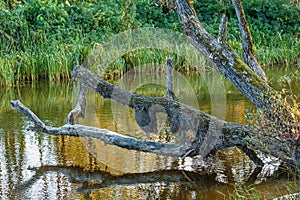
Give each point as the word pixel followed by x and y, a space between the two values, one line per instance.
pixel 44 39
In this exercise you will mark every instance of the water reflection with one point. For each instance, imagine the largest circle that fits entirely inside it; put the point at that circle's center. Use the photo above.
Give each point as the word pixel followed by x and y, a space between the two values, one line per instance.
pixel 40 166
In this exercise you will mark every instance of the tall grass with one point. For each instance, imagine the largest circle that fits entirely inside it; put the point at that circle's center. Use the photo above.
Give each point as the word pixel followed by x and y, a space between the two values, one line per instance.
pixel 41 59
pixel 277 49
pixel 44 39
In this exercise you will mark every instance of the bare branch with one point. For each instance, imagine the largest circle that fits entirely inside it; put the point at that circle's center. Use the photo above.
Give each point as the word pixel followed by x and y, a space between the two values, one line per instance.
pixel 169 80
pixel 247 44
pixel 106 136
pixel 17 105
pixel 79 110
pixel 223 30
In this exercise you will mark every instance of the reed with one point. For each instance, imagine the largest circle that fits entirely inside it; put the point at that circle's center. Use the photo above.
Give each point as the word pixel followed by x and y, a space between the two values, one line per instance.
pixel 34 47
pixel 40 61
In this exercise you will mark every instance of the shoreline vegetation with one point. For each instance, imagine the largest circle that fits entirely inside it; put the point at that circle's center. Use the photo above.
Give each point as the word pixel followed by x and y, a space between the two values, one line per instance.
pixel 42 40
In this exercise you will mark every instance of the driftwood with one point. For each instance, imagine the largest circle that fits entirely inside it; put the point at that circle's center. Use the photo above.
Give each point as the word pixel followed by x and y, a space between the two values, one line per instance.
pixel 203 134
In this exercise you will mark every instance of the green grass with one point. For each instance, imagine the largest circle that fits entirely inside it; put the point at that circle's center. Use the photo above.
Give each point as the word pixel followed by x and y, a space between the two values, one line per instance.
pixel 44 39
pixel 44 59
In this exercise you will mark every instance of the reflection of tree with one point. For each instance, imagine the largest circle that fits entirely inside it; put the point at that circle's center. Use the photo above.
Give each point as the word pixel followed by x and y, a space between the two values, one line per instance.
pixel 20 148
pixel 166 183
pixel 13 158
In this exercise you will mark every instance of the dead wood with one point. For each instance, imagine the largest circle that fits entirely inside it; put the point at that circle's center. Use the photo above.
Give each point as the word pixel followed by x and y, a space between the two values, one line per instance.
pixel 107 136
pixel 247 44
pixel 79 110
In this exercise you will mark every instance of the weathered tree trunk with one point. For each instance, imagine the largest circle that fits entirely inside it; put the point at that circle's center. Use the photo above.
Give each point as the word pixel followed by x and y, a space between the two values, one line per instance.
pixel 201 133
pixel 249 78
pixel 222 56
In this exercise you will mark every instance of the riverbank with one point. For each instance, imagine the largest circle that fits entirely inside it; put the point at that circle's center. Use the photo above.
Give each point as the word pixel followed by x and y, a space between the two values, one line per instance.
pixel 44 39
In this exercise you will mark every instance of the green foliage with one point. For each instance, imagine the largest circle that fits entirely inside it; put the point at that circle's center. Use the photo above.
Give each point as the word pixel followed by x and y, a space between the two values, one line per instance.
pixel 268 15
pixel 274 27
pixel 43 39
pixel 151 14
pixel 276 16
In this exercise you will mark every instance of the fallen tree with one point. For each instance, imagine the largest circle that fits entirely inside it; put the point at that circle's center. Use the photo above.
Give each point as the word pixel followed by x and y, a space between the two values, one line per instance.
pixel 198 132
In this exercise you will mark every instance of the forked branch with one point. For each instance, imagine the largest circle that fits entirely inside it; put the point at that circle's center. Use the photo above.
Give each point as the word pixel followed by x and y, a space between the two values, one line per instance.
pixel 222 56
pixel 247 44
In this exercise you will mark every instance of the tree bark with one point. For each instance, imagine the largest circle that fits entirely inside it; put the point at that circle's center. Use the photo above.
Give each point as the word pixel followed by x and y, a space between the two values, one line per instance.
pixel 247 44
pixel 222 57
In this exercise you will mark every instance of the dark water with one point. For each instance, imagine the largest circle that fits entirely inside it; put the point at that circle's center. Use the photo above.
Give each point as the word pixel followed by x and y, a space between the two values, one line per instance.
pixel 39 166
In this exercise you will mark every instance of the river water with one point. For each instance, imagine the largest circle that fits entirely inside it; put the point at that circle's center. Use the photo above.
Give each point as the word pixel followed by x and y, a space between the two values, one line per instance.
pixel 35 165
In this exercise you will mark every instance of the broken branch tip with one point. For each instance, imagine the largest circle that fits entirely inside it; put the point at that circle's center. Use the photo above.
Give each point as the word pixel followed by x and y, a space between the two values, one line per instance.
pixel 13 103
